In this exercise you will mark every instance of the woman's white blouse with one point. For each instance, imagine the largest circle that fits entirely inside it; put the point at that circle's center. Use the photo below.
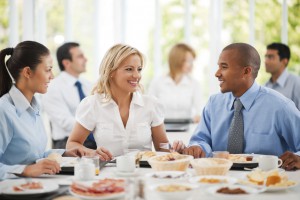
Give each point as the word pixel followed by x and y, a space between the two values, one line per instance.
pixel 105 120
pixel 182 100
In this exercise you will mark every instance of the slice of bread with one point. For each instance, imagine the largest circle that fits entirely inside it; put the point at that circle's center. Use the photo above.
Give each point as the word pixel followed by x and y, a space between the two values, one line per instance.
pixel 145 155
pixel 256 177
pixel 273 180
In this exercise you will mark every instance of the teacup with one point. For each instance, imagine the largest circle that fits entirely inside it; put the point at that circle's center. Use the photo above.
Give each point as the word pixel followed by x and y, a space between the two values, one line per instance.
pixel 84 170
pixel 126 163
pixel 267 162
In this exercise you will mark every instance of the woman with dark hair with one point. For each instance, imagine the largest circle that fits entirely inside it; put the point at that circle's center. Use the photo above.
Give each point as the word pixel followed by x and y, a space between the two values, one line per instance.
pixel 23 140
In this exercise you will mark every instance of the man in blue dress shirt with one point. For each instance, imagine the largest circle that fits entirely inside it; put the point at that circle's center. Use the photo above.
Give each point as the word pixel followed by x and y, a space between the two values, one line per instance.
pixel 271 122
pixel 276 62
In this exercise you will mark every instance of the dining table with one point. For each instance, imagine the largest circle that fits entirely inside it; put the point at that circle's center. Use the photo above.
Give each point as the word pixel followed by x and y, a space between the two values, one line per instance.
pixel 138 182
pixel 132 185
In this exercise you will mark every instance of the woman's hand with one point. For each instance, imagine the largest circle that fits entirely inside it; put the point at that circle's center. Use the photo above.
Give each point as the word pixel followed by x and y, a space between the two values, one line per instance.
pixel 104 154
pixel 44 166
pixel 78 152
pixel 178 146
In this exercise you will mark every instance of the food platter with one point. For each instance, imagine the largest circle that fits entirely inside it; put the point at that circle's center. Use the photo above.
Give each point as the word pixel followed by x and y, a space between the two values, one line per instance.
pixel 19 188
pixel 242 161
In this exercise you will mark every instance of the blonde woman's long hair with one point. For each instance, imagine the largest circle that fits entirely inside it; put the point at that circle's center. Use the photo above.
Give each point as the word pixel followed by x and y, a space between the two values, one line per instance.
pixel 177 56
pixel 110 62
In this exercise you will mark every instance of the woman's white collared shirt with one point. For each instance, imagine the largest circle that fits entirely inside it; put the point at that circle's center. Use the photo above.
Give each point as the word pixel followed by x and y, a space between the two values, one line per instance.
pixel 105 120
pixel 182 100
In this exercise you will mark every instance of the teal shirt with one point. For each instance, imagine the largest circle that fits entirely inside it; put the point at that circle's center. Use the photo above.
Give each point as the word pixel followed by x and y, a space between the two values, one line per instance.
pixel 23 139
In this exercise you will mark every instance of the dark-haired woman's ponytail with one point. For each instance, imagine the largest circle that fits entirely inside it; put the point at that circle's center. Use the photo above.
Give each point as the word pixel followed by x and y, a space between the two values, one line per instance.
pixel 6 80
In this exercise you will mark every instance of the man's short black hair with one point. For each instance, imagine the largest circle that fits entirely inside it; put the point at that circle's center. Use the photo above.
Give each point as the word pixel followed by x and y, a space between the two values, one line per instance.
pixel 248 56
pixel 63 52
pixel 283 50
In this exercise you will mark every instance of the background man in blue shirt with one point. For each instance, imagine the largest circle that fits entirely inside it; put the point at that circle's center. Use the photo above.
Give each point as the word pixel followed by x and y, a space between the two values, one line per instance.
pixel 271 122
pixel 276 61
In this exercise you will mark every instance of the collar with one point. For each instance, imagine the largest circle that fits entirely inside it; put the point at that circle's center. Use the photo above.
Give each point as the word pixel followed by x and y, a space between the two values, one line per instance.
pixel 136 99
pixel 282 78
pixel 248 97
pixel 21 103
pixel 280 81
pixel 69 79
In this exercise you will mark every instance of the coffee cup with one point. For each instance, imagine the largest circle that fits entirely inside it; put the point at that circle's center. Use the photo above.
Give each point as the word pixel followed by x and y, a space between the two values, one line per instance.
pixel 126 163
pixel 84 170
pixel 267 162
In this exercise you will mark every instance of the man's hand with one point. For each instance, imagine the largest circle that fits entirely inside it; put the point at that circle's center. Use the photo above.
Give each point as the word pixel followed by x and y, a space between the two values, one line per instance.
pixel 290 161
pixel 195 151
pixel 45 166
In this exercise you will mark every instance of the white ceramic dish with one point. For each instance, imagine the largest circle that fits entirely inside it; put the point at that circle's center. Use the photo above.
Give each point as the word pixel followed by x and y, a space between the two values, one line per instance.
pixel 175 195
pixel 168 175
pixel 100 197
pixel 47 187
pixel 253 161
pixel 66 161
pixel 249 190
pixel 126 174
pixel 278 188
pixel 222 180
pixel 107 196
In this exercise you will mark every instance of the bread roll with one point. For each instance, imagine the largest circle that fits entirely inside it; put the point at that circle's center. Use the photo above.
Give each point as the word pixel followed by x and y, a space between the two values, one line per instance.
pixel 145 155
pixel 55 156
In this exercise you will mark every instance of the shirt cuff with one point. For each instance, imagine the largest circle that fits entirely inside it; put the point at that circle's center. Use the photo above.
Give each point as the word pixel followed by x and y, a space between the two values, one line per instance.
pixel 14 171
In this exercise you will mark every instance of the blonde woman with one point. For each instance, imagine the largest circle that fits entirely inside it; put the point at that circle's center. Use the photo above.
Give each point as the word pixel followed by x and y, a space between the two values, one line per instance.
pixel 120 116
pixel 178 91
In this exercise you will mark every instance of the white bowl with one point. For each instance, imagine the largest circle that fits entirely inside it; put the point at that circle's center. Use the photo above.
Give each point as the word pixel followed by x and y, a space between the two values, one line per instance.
pixel 216 180
pixel 174 195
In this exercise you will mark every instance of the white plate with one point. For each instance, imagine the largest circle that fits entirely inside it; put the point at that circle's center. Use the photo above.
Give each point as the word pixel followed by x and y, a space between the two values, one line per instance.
pixel 168 175
pixel 90 183
pixel 223 179
pixel 66 161
pixel 125 174
pixel 47 187
pixel 250 190
pixel 254 160
pixel 108 196
pixel 175 195
pixel 278 188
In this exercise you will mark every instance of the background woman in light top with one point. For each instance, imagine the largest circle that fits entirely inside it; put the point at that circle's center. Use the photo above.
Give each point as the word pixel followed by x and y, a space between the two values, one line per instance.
pixel 23 139
pixel 178 91
pixel 120 116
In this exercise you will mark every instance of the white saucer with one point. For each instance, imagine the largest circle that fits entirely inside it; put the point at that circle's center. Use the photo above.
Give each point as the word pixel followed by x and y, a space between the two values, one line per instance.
pixel 125 174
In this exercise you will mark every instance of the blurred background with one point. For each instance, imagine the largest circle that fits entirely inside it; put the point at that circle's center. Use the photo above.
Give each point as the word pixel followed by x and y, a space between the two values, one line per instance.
pixel 154 26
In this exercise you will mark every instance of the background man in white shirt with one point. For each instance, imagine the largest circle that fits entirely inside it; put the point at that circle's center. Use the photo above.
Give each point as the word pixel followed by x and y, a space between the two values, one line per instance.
pixel 276 62
pixel 64 94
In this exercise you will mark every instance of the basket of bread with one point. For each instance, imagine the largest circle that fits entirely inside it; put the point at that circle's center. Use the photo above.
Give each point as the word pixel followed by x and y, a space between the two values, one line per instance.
pixel 170 162
pixel 211 166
